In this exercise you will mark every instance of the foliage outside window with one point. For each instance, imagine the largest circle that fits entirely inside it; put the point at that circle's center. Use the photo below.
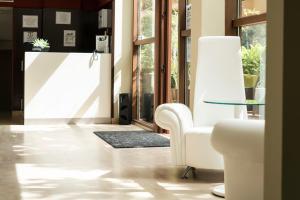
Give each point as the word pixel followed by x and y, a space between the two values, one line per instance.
pixel 146 19
pixel 253 54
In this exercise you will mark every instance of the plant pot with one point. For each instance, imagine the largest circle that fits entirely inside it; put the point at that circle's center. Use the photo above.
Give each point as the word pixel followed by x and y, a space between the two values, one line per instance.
pixel 250 96
pixel 250 80
pixel 175 95
pixel 40 49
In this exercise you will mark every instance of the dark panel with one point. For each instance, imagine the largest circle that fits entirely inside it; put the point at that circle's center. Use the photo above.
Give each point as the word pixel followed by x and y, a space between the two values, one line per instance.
pixel 89 26
pixel 28 3
pixel 54 33
pixel 65 4
pixel 19 49
pixel 24 4
pixel 68 4
pixel 291 96
pixel 5 79
pixel 89 5
pixel 104 3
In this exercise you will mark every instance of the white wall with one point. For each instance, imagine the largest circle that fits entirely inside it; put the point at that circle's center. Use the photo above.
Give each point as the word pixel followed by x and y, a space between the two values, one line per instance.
pixel 123 50
pixel 208 19
pixel 67 88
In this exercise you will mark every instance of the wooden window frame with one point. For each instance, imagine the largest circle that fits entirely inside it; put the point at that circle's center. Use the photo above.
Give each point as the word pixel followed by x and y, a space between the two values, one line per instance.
pixel 183 34
pixel 160 59
pixel 233 22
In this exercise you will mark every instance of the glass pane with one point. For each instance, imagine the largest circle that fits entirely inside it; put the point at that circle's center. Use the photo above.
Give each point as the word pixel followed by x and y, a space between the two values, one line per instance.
pixel 146 19
pixel 174 53
pixel 254 62
pixel 188 70
pixel 146 82
pixel 253 7
pixel 188 14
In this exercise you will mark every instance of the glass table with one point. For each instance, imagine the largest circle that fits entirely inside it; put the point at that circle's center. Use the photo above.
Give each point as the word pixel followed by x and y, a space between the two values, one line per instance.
pixel 239 107
pixel 239 113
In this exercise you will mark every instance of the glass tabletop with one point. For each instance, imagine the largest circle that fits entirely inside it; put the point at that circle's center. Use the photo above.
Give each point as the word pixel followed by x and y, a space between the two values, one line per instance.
pixel 246 103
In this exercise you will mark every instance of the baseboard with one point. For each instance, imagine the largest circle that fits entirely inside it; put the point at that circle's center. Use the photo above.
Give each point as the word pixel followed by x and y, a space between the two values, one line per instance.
pixel 68 121
pixel 115 120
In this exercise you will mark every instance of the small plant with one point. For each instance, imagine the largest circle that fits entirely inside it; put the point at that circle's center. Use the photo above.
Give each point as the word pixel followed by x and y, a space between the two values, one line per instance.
pixel 252 59
pixel 41 43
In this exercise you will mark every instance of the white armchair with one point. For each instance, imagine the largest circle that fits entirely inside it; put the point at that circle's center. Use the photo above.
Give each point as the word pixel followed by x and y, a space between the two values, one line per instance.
pixel 242 145
pixel 219 76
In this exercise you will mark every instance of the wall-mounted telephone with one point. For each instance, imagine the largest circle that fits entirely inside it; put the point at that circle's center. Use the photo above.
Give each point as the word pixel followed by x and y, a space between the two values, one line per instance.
pixel 103 43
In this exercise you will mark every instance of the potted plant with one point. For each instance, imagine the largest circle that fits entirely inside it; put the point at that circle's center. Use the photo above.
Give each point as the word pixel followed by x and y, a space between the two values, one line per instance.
pixel 251 66
pixel 174 87
pixel 40 45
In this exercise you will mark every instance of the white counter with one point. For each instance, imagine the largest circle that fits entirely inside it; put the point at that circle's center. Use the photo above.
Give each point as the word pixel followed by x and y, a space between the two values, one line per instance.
pixel 66 88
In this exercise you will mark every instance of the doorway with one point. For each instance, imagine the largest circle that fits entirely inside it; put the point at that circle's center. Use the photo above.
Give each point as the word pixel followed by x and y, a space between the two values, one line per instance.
pixel 6 63
pixel 149 60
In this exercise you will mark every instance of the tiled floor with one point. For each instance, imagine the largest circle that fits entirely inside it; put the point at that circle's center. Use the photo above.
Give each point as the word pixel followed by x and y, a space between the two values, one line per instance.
pixel 70 162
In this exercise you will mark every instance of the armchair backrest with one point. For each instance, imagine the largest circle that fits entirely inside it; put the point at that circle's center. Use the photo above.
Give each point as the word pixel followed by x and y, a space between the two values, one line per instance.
pixel 219 76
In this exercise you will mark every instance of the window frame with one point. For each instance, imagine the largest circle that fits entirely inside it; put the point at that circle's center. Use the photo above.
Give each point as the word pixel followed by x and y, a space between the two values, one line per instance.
pixel 159 40
pixel 233 21
pixel 183 34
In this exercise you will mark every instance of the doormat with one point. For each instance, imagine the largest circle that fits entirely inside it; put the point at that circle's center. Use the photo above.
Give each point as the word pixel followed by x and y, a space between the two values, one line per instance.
pixel 133 139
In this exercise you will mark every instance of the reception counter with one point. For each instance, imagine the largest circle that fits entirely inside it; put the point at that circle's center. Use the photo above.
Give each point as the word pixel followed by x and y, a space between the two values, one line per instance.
pixel 67 88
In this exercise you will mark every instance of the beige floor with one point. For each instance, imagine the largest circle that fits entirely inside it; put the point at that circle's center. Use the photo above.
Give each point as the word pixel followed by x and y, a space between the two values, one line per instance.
pixel 70 162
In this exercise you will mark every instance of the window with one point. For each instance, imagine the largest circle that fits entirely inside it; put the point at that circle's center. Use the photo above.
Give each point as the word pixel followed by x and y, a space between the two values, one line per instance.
pixel 249 22
pixel 146 19
pixel 185 9
pixel 161 40
pixel 144 59
pixel 174 52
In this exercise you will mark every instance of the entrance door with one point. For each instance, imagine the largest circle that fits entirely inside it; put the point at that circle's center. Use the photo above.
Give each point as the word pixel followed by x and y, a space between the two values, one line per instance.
pixel 6 47
pixel 145 60
pixel 150 57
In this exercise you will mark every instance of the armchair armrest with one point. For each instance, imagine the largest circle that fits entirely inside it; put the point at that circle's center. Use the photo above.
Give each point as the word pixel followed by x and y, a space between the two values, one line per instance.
pixel 167 115
pixel 177 118
pixel 240 138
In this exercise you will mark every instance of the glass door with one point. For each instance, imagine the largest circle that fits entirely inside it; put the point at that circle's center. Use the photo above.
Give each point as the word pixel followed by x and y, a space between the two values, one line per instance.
pixel 144 61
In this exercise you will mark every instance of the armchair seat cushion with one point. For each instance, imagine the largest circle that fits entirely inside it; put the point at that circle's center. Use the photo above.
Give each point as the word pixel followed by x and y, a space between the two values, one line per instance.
pixel 199 151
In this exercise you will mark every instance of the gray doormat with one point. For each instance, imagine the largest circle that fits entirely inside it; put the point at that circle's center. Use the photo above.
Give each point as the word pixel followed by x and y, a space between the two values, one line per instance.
pixel 133 139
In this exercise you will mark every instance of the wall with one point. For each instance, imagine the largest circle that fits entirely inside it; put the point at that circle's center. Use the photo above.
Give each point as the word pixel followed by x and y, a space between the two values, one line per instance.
pixel 274 85
pixel 260 5
pixel 208 19
pixel 54 33
pixel 67 88
pixel 122 50
pixel 6 16
pixel 19 49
